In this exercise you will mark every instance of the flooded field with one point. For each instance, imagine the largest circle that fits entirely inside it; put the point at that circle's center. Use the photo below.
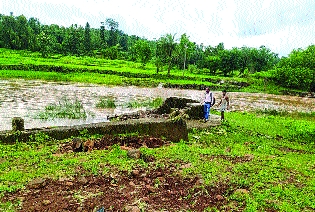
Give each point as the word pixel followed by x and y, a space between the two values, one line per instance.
pixel 24 98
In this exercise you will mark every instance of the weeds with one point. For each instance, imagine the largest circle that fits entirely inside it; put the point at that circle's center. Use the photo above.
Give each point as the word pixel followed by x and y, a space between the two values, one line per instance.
pixel 155 103
pixel 105 102
pixel 64 109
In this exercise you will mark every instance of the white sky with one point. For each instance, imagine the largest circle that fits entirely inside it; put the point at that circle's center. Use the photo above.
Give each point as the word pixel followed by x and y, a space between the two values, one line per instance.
pixel 281 25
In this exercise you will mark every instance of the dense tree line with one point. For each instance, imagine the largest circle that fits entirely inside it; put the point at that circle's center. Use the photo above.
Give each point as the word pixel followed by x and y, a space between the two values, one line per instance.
pixel 166 52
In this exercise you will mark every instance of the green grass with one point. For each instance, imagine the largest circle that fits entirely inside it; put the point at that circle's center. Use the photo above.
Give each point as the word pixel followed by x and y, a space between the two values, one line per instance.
pixel 65 108
pixel 277 169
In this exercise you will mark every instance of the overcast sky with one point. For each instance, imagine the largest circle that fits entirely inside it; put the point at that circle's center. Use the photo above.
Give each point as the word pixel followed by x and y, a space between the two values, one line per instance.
pixel 281 25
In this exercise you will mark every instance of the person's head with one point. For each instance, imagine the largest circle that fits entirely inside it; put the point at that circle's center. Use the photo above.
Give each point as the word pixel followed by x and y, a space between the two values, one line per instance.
pixel 224 92
pixel 207 90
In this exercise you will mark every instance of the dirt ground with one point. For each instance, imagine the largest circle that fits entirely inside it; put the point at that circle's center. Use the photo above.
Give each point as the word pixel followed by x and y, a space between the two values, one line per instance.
pixel 152 189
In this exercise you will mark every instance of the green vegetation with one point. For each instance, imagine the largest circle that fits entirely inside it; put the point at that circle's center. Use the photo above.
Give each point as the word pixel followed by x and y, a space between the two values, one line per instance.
pixel 28 65
pixel 64 109
pixel 106 102
pixel 155 103
pixel 270 156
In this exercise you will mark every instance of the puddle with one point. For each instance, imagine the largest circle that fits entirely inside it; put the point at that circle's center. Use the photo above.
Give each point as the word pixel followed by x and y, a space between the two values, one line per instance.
pixel 26 98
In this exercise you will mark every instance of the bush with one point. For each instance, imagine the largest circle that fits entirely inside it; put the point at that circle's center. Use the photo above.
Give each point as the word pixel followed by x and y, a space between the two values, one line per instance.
pixel 297 78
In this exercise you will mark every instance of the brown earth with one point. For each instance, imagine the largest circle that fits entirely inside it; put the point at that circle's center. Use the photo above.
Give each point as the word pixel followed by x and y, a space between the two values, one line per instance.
pixel 149 190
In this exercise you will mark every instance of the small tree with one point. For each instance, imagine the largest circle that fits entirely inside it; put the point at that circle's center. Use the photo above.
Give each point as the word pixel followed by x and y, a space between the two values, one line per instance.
pixel 45 44
pixel 143 51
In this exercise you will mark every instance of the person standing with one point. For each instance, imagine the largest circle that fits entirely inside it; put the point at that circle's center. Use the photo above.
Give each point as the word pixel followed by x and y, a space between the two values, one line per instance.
pixel 207 104
pixel 224 104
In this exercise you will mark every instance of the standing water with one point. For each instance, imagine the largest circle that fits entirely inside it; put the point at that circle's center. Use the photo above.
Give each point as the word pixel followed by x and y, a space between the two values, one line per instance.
pixel 27 98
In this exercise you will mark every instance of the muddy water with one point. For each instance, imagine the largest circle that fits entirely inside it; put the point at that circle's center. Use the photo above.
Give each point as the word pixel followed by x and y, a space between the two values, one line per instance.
pixel 24 98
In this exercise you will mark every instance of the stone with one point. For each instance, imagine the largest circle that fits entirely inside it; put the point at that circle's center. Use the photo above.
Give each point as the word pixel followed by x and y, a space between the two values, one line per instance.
pixel 88 145
pixel 82 180
pixel 37 183
pixel 134 153
pixel 219 197
pixel 69 183
pixel 17 124
pixel 185 166
pixel 150 188
pixel 46 202
pixel 77 145
pixel 130 208
pixel 135 172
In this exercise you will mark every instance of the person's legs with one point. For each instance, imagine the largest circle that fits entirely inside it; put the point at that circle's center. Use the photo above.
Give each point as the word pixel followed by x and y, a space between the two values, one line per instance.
pixel 222 115
pixel 206 111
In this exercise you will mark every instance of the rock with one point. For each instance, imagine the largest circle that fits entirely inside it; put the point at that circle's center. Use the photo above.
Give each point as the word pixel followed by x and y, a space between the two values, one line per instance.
pixel 219 197
pixel 46 202
pixel 17 124
pixel 82 180
pixel 130 208
pixel 134 153
pixel 249 157
pixel 69 183
pixel 150 188
pixel 200 182
pixel 77 145
pixel 88 145
pixel 135 172
pixel 38 183
pixel 185 166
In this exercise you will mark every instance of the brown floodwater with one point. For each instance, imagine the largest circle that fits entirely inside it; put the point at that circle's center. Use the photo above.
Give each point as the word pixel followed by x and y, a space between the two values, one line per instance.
pixel 27 98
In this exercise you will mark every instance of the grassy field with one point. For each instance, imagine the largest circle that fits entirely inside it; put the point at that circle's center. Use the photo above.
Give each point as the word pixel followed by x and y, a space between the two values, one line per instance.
pixel 266 162
pixel 30 65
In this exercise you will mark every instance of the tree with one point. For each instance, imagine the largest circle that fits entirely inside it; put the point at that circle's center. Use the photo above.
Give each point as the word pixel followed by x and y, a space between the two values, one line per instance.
pixel 185 48
pixel 112 25
pixel 143 51
pixel 74 39
pixel 87 38
pixel 297 70
pixel 168 46
pixel 45 44
pixel 102 35
pixel 35 29
pixel 8 32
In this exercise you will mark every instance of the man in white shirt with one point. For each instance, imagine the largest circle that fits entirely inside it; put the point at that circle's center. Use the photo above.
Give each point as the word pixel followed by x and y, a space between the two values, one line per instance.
pixel 207 104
